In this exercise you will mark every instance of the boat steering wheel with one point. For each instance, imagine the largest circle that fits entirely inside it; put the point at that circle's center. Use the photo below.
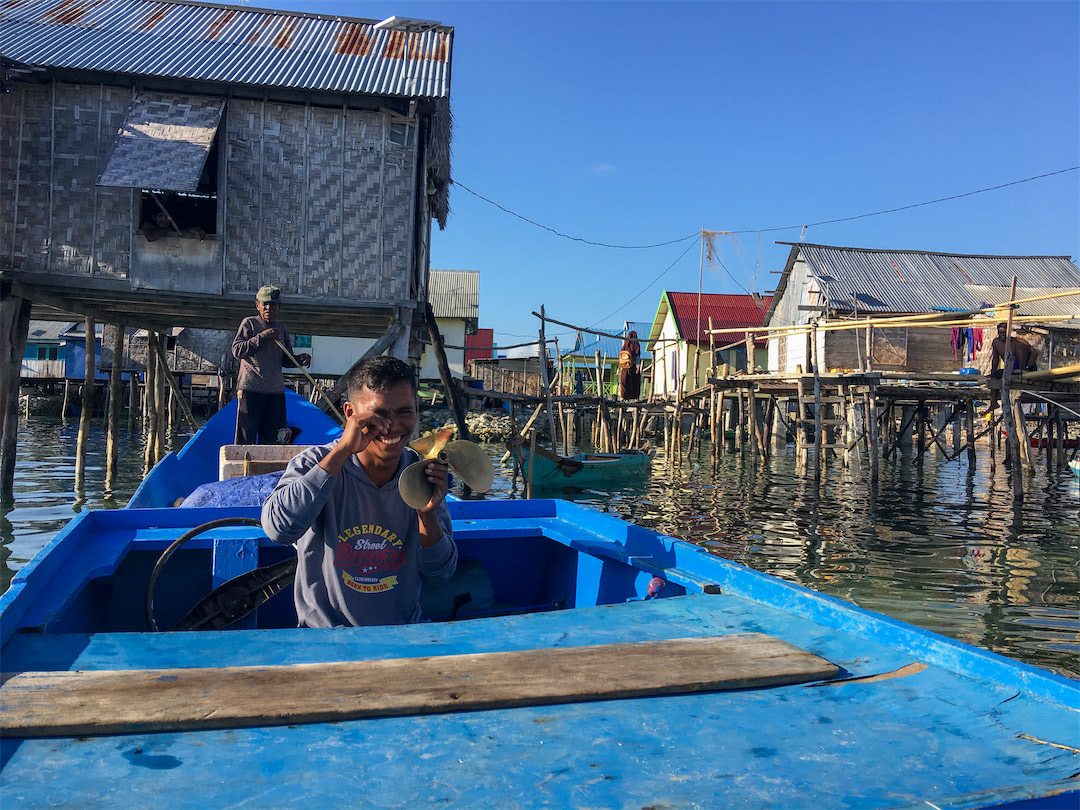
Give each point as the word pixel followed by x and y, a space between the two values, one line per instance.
pixel 230 602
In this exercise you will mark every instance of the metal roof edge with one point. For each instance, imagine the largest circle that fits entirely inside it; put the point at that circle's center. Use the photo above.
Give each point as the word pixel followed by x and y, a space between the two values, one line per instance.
pixel 781 285
pixel 922 252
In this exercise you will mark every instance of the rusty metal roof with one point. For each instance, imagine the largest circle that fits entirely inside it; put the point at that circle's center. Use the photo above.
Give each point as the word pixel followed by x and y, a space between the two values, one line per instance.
pixel 909 281
pixel 230 44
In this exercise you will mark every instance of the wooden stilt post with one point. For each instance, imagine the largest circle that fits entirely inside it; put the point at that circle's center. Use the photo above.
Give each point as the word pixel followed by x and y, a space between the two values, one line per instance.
pixel 14 327
pixel 159 403
pixel 116 383
pixel 67 394
pixel 874 448
pixel 971 433
pixel 174 388
pixel 150 407
pixel 800 427
pixel 817 403
pixel 454 397
pixel 133 391
pixel 87 406
pixel 1061 430
pixel 546 383
pixel 1007 411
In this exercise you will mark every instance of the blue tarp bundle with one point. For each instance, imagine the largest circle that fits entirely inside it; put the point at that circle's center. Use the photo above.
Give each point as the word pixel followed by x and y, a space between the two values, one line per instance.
pixel 250 490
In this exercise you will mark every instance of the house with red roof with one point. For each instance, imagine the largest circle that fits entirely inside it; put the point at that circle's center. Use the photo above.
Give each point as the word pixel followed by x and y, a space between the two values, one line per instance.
pixel 687 345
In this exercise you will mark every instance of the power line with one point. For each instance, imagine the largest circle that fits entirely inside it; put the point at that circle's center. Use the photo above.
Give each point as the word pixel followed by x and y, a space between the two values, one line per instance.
pixel 767 230
pixel 646 287
pixel 463 187
pixel 908 207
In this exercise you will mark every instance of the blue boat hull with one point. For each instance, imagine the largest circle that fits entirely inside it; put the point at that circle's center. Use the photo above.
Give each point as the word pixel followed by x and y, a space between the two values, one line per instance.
pixel 912 719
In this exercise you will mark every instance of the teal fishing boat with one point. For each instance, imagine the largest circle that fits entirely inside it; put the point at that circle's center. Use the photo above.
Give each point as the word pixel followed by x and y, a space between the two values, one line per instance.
pixel 576 660
pixel 544 469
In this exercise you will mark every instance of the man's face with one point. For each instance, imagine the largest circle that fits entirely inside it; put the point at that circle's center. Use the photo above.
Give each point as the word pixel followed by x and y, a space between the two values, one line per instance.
pixel 162 219
pixel 268 310
pixel 398 404
pixel 1001 330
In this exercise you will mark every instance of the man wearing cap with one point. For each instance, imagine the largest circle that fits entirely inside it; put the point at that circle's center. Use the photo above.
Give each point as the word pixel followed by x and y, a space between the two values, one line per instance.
pixel 260 385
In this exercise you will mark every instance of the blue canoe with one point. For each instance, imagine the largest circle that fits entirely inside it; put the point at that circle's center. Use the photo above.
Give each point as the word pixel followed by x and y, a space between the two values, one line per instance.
pixel 591 663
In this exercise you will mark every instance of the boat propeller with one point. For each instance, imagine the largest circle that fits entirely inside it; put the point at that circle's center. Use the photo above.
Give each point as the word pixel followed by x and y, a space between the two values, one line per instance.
pixel 465 458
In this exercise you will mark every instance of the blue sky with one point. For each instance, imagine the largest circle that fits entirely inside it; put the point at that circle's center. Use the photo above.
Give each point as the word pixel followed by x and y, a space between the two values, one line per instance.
pixel 635 123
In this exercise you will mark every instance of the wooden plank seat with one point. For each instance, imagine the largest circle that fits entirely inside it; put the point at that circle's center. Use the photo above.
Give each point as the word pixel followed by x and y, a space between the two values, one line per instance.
pixel 238 460
pixel 45 704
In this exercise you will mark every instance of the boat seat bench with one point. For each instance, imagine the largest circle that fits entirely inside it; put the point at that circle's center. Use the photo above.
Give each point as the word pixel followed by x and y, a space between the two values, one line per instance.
pixel 43 704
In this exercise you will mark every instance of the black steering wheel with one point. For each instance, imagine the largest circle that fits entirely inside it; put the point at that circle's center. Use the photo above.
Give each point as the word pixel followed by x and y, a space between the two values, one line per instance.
pixel 230 602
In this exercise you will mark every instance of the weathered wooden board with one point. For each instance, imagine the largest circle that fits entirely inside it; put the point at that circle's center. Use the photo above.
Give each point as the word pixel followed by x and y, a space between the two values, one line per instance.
pixel 50 704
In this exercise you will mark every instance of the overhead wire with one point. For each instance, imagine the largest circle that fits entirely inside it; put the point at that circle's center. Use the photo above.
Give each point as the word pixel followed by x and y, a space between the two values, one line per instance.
pixel 645 288
pixel 758 231
pixel 463 187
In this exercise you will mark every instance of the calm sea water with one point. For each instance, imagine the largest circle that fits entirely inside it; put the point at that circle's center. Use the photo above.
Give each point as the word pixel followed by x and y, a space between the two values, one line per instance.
pixel 937 544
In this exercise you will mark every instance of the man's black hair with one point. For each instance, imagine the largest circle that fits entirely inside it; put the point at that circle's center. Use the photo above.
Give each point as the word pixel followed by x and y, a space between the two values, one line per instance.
pixel 380 374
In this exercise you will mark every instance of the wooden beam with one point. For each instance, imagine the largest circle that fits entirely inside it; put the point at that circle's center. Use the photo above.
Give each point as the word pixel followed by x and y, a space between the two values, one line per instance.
pixel 163 365
pixel 64 704
pixel 381 345
pixel 453 392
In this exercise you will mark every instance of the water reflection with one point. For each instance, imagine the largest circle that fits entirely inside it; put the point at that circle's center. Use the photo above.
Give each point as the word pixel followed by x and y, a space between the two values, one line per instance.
pixel 937 544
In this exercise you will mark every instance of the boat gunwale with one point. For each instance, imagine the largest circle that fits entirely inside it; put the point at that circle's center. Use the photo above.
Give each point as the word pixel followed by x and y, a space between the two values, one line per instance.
pixel 606 537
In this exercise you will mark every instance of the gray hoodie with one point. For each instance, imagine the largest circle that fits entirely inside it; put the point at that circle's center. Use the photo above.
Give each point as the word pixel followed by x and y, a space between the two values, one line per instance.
pixel 359 558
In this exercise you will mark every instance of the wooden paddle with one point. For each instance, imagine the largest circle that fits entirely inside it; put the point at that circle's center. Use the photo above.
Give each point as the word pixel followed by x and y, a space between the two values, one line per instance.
pixel 311 379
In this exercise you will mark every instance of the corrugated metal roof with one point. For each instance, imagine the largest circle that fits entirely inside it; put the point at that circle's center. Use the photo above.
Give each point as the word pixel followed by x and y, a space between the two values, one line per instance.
pixel 912 281
pixel 232 44
pixel 728 311
pixel 454 293
pixel 587 345
pixel 47 331
pixel 1068 306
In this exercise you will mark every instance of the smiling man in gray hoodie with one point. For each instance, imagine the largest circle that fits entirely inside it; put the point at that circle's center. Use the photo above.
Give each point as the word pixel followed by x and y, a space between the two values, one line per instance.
pixel 362 552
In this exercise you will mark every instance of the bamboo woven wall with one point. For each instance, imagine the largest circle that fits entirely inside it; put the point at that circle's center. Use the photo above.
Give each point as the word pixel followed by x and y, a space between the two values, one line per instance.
pixel 55 139
pixel 318 201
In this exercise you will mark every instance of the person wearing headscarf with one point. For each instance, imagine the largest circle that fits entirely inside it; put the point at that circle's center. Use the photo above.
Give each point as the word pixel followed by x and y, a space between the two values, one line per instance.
pixel 629 372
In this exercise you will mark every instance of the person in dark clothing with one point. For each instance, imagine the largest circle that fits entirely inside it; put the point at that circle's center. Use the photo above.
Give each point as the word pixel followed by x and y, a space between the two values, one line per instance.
pixel 260 385
pixel 629 372
pixel 1024 358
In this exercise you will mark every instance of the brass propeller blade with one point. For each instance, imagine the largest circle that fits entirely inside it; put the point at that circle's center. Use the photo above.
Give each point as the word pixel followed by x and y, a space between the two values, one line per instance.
pixel 413 485
pixel 468 460
pixel 472 464
pixel 431 445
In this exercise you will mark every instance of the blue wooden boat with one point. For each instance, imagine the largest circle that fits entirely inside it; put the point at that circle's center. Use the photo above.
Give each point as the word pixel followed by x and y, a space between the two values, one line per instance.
pixel 545 470
pixel 593 663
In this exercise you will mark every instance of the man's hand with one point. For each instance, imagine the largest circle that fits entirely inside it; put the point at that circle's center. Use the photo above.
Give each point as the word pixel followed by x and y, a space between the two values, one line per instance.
pixel 360 430
pixel 430 530
pixel 437 476
pixel 305 360
pixel 268 334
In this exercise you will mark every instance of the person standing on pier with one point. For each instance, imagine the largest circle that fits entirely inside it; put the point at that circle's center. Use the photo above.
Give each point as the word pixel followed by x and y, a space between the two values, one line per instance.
pixel 629 372
pixel 1024 357
pixel 260 385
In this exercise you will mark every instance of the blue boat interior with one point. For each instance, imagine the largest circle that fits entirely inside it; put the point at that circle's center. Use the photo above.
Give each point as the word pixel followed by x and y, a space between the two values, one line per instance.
pixel 513 558
pixel 912 719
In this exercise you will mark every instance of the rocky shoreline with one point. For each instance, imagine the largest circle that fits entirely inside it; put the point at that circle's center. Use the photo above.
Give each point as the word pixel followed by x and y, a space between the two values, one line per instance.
pixel 485 426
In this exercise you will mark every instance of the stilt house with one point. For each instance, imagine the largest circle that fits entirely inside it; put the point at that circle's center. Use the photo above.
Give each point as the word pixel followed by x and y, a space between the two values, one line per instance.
pixel 160 161
pixel 683 350
pixel 828 284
